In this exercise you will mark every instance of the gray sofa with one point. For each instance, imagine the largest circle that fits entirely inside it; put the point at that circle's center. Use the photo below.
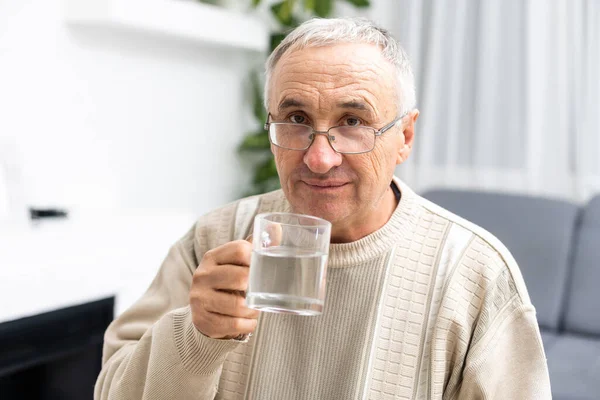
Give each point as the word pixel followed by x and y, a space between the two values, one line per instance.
pixel 557 246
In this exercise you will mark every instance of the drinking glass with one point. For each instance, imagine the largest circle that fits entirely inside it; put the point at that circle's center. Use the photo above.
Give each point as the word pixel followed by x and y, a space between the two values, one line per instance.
pixel 289 263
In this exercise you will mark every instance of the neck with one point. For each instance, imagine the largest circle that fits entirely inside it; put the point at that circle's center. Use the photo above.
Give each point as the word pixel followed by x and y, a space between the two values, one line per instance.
pixel 364 225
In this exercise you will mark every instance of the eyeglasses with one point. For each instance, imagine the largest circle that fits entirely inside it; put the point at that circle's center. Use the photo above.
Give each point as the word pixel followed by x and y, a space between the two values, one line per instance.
pixel 343 139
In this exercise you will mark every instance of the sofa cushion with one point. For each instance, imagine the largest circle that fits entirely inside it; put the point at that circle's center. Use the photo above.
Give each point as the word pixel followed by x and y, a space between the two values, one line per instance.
pixel 548 338
pixel 574 366
pixel 537 231
pixel 583 299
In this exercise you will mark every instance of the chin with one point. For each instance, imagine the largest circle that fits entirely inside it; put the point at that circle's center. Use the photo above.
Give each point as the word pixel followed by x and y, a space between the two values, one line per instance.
pixel 328 211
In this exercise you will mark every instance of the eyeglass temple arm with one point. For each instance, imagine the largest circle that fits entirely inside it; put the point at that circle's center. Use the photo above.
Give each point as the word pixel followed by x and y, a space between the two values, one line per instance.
pixel 267 123
pixel 390 125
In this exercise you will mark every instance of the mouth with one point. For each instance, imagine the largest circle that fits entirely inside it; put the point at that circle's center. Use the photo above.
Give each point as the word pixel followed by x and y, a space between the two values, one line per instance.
pixel 325 186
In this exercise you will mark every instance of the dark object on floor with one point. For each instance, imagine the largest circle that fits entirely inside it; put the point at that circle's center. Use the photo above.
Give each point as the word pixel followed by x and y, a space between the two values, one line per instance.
pixel 55 355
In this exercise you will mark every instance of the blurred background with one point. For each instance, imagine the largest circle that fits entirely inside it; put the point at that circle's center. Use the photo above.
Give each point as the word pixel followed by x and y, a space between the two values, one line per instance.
pixel 122 121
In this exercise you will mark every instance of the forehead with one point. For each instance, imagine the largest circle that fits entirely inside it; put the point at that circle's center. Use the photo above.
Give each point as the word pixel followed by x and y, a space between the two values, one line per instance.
pixel 328 72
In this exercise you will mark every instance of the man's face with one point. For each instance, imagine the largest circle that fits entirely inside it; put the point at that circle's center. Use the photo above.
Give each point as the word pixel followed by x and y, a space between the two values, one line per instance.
pixel 349 84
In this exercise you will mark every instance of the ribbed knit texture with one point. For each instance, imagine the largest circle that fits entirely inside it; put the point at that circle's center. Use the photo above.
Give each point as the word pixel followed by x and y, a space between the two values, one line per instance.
pixel 200 355
pixel 427 307
pixel 317 357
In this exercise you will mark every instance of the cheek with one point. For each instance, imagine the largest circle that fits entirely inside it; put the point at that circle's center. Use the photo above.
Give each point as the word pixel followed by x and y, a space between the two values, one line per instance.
pixel 286 162
pixel 374 169
pixel 380 161
pixel 366 170
pixel 385 153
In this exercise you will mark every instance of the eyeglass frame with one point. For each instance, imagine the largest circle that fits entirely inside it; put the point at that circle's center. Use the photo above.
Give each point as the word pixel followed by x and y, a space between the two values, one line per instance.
pixel 377 132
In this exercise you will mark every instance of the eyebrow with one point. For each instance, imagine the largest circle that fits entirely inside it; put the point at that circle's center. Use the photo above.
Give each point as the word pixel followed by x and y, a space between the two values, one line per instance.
pixel 354 104
pixel 351 104
pixel 289 103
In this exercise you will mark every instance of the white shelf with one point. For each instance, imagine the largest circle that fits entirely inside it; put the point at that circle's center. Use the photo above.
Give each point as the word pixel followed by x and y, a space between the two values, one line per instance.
pixel 183 19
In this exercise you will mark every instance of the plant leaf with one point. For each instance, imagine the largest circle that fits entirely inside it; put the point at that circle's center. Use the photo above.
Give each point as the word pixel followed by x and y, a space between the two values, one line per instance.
pixel 257 141
pixel 265 171
pixel 257 97
pixel 323 8
pixel 255 3
pixel 276 38
pixel 283 12
pixel 359 3
pixel 309 5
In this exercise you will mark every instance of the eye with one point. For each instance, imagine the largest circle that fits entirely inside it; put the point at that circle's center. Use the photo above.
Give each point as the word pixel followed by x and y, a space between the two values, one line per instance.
pixel 352 121
pixel 297 119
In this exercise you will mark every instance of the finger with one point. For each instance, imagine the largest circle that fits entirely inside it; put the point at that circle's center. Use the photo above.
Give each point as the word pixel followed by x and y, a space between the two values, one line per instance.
pixel 236 253
pixel 229 304
pixel 275 232
pixel 271 235
pixel 229 277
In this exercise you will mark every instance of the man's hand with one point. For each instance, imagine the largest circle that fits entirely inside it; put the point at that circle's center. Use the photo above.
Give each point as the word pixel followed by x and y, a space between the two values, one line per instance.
pixel 216 296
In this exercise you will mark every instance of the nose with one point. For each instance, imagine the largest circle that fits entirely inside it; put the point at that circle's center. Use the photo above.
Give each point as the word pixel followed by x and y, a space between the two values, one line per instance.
pixel 320 156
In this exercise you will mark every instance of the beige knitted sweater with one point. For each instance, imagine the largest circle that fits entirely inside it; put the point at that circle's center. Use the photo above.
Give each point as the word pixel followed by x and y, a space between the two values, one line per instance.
pixel 429 306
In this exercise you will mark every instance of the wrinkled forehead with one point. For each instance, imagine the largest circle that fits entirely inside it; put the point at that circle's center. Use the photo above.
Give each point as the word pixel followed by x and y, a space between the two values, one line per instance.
pixel 326 73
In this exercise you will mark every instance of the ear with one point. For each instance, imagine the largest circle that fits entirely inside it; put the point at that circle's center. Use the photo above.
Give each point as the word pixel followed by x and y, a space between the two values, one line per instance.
pixel 408 132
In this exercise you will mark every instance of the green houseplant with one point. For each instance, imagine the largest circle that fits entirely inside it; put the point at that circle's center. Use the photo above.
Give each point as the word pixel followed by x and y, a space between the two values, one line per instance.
pixel 288 14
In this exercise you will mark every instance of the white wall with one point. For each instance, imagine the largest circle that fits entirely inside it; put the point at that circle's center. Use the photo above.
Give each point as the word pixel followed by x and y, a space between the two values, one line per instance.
pixel 106 119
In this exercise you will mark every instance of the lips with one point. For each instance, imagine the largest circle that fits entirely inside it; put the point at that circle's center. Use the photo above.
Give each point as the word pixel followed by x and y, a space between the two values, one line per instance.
pixel 324 185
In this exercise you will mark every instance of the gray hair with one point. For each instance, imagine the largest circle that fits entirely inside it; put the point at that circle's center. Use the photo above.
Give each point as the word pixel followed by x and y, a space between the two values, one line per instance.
pixel 324 32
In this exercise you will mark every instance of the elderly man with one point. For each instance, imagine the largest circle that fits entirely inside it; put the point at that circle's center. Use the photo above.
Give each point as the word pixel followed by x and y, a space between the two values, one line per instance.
pixel 420 303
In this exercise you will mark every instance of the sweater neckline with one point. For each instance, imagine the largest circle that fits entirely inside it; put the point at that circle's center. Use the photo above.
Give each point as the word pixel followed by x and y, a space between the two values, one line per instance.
pixel 400 224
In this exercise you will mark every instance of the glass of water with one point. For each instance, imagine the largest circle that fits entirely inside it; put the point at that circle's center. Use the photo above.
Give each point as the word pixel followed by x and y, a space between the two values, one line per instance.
pixel 289 263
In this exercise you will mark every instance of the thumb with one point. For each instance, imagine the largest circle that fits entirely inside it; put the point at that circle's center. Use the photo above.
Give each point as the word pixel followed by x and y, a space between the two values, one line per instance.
pixel 271 236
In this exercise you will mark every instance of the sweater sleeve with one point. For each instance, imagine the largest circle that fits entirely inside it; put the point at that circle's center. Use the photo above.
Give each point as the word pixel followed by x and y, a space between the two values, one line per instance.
pixel 511 365
pixel 153 350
